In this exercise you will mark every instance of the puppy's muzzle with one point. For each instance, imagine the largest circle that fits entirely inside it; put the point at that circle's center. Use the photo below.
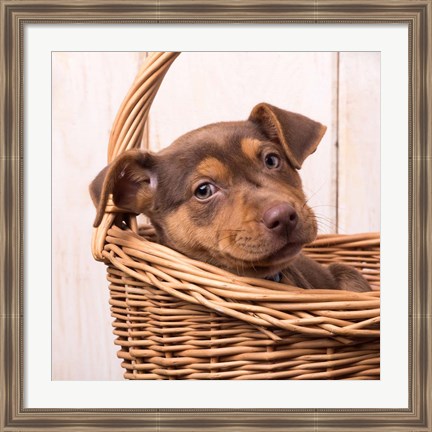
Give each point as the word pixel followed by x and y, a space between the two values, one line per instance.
pixel 280 219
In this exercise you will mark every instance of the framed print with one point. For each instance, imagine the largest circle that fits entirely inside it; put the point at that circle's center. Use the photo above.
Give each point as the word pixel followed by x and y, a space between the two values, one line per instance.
pixel 204 75
pixel 372 57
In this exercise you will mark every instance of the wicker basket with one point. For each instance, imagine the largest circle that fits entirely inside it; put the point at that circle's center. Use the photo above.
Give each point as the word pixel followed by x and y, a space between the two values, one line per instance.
pixel 177 318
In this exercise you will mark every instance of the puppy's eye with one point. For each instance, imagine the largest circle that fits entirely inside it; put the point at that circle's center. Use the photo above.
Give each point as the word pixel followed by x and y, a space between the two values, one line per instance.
pixel 272 161
pixel 205 190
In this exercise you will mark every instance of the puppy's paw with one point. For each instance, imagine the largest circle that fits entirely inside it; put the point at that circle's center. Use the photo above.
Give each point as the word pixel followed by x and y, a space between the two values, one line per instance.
pixel 348 278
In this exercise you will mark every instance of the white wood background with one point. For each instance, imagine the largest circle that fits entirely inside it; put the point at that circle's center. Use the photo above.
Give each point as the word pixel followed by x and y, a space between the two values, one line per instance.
pixel 341 90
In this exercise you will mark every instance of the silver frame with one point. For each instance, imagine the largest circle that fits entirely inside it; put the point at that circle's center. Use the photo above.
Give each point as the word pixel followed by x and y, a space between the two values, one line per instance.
pixel 16 14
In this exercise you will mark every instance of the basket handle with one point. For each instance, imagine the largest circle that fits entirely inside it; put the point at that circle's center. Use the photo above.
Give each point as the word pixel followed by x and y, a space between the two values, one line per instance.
pixel 128 127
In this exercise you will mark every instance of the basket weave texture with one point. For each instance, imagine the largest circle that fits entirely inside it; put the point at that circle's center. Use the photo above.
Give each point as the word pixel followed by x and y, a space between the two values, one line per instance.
pixel 177 318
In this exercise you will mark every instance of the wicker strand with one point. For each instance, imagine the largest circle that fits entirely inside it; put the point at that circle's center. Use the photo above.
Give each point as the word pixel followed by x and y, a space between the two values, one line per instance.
pixel 137 102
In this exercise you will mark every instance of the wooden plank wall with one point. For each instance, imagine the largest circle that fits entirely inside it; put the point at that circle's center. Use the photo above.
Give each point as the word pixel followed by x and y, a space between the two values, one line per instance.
pixel 341 90
pixel 359 142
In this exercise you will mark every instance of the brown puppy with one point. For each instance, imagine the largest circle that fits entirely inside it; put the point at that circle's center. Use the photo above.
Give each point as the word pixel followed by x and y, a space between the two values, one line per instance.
pixel 229 194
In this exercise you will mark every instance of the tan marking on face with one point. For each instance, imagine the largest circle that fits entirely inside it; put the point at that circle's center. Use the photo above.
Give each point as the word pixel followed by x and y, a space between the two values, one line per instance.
pixel 178 225
pixel 250 147
pixel 213 168
pixel 183 235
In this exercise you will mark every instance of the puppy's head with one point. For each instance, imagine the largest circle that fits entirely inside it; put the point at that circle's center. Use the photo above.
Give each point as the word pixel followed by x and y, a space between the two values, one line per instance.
pixel 227 193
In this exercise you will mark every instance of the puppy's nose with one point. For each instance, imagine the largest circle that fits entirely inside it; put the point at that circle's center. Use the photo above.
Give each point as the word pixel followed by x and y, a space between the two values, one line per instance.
pixel 281 218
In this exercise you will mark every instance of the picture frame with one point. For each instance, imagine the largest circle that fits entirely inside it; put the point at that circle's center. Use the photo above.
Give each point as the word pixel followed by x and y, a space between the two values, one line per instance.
pixel 15 15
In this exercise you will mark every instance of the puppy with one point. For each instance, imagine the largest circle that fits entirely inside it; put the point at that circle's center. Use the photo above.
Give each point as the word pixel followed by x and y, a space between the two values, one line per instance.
pixel 229 194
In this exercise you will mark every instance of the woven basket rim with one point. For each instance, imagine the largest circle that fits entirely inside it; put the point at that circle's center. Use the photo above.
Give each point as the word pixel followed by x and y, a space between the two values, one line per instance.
pixel 252 300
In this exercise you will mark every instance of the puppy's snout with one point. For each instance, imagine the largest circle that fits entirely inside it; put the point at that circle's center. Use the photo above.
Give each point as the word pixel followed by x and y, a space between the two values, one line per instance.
pixel 281 218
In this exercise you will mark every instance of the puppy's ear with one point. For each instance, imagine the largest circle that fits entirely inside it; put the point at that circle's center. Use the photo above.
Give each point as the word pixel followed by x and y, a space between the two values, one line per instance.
pixel 130 178
pixel 299 135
